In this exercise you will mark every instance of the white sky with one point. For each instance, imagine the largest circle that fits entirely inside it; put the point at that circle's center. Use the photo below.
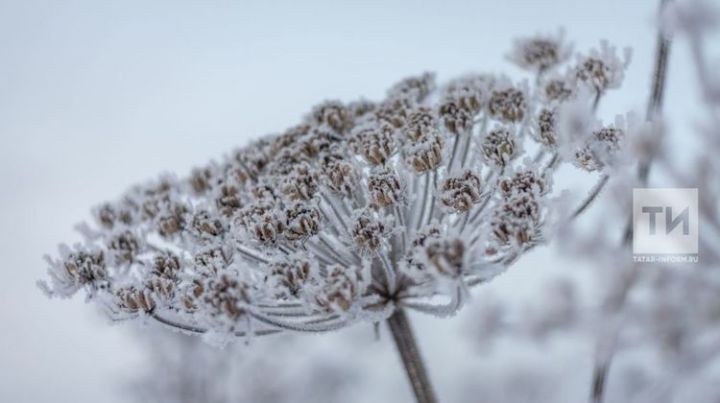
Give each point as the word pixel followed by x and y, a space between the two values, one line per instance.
pixel 98 95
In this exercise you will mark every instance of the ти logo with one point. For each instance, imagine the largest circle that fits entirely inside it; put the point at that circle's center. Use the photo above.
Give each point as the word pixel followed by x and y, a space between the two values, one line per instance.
pixel 665 221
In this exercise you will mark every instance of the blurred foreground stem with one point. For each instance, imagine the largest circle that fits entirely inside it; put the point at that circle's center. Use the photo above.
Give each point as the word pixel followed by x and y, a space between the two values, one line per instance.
pixel 410 354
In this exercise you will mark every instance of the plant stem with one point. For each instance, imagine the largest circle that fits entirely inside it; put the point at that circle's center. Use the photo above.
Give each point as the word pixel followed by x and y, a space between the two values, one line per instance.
pixel 414 366
pixel 654 109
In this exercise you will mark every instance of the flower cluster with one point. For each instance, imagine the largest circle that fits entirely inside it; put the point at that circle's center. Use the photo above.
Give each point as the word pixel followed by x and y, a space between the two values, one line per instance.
pixel 361 208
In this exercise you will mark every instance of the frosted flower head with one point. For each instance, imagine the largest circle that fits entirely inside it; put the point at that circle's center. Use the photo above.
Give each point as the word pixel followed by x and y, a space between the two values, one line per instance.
pixel 425 155
pixel 415 89
pixel 455 117
pixel 339 288
pixel 544 127
pixel 516 222
pixel 523 181
pixel 302 220
pixel 369 231
pixel 499 147
pixel 602 69
pixel 508 103
pixel 360 209
pixel 385 188
pixel 459 193
pixel 540 52
pixel 288 278
pixel 333 115
pixel 470 92
pixel 602 146
pixel 376 145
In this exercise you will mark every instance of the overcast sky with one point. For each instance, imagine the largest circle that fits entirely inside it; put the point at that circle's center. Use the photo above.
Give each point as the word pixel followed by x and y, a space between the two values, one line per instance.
pixel 97 95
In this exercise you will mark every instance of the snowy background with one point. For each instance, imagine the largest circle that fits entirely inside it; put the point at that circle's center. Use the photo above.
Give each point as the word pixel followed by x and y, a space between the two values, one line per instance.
pixel 98 95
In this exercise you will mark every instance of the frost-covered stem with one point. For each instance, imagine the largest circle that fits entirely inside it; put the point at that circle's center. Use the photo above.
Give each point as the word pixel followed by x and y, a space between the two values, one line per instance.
pixel 662 53
pixel 410 354
pixel 594 193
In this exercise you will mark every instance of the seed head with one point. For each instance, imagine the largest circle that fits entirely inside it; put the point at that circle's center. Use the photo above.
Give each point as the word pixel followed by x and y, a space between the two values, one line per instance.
pixel 499 147
pixel 460 193
pixel 508 104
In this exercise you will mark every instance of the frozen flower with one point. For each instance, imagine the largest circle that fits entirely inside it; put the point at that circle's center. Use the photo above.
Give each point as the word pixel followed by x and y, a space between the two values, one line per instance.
pixel 540 53
pixel 499 147
pixel 288 278
pixel 340 288
pixel 508 103
pixel 602 69
pixel 415 89
pixel 558 89
pixel 359 211
pixel 425 155
pixel 516 222
pixel 368 231
pixel 376 145
pixel 461 192
pixel 455 117
pixel 545 127
pixel 385 188
pixel 602 146
pixel 523 181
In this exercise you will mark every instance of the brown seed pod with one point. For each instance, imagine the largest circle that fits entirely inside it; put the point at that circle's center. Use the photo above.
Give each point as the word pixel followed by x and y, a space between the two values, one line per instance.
pixel 226 296
pixel 124 247
pixel 526 181
pixel 301 183
pixel 289 277
pixel 498 147
pixel 455 117
pixel 425 156
pixel 508 105
pixel 445 256
pixel 368 232
pixel 385 188
pixel 375 144
pixel 421 125
pixel 301 221
pixel 460 193
pixel 132 299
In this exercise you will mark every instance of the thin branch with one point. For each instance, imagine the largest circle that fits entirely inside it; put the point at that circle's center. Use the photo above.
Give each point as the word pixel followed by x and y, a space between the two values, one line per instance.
pixel 594 193
pixel 602 367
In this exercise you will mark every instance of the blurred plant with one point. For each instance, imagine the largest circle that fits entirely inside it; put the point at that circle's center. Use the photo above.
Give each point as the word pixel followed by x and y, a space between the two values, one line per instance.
pixel 361 211
pixel 182 369
pixel 664 316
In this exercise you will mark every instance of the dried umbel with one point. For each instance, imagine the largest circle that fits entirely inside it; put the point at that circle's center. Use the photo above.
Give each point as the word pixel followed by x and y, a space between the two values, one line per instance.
pixel 558 90
pixel 600 148
pixel 602 69
pixel 361 209
pixel 455 117
pixel 384 188
pixel 546 127
pixel 368 232
pixel 425 155
pixel 376 145
pixel 508 104
pixel 499 147
pixel 524 181
pixel 290 277
pixel 517 222
pixel 540 53
pixel 460 193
